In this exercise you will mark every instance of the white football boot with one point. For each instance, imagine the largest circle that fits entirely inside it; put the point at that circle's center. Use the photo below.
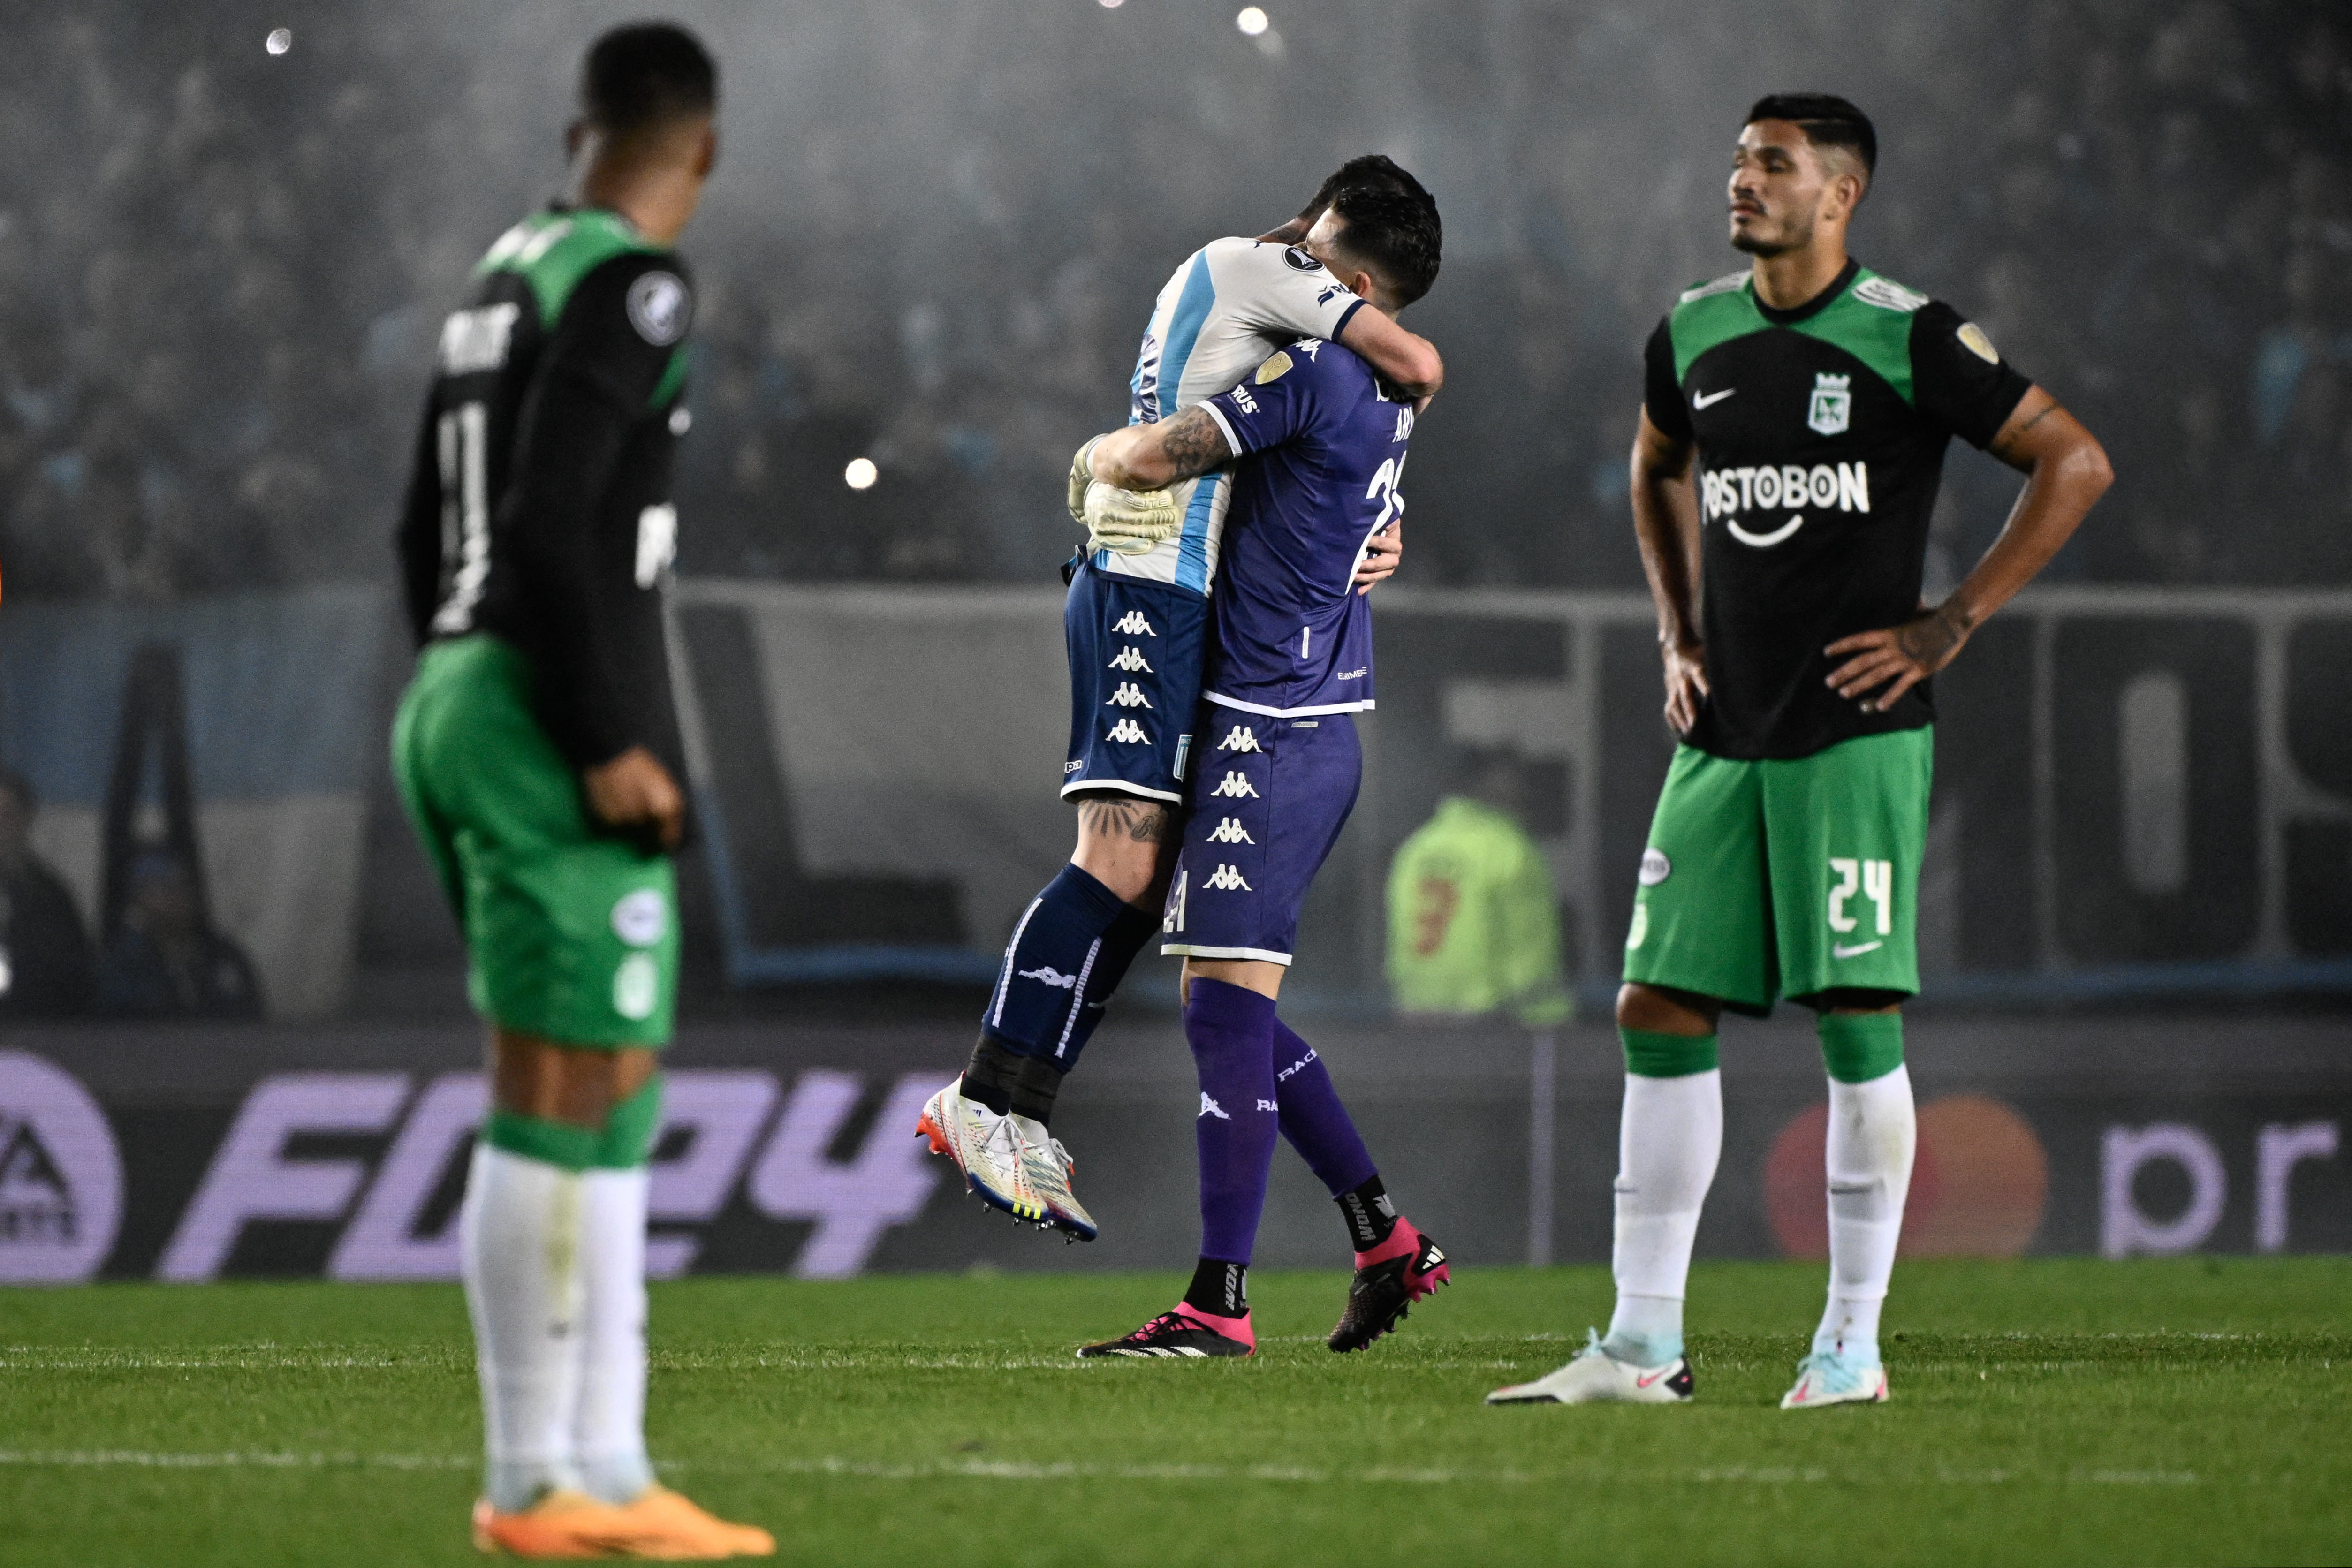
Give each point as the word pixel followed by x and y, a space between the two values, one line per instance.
pixel 986 1147
pixel 1829 1377
pixel 1597 1377
pixel 1049 1169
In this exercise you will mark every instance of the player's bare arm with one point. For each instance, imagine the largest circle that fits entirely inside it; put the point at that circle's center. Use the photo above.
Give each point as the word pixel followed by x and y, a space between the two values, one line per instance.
pixel 2066 472
pixel 1665 527
pixel 1154 456
pixel 1405 359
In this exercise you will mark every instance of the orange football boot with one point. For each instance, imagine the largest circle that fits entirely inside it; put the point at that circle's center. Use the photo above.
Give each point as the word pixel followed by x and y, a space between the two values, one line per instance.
pixel 663 1524
pixel 559 1524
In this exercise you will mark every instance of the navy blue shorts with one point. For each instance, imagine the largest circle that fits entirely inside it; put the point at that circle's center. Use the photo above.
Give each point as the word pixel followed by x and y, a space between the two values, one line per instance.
pixel 1135 683
pixel 1266 807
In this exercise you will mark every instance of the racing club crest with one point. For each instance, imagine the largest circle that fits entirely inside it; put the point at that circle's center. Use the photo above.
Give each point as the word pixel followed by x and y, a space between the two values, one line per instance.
pixel 1832 405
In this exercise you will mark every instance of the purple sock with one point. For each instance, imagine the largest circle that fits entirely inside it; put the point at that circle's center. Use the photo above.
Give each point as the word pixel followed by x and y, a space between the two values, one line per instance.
pixel 1231 1032
pixel 1312 1117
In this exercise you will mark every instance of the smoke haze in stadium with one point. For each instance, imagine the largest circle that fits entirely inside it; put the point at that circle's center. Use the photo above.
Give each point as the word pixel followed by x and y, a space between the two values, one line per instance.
pixel 937 225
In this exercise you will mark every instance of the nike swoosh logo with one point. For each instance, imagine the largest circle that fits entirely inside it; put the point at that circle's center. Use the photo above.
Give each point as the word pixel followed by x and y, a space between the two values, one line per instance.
pixel 1842 951
pixel 1709 400
pixel 1645 1382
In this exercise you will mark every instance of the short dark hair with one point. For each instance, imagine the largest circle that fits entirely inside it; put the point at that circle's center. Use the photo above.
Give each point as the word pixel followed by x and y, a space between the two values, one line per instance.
pixel 646 75
pixel 1371 169
pixel 1394 234
pixel 1827 121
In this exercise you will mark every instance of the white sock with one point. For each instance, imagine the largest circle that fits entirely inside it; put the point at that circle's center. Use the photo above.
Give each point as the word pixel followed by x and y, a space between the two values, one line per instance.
pixel 1874 1132
pixel 609 1432
pixel 1667 1145
pixel 519 1245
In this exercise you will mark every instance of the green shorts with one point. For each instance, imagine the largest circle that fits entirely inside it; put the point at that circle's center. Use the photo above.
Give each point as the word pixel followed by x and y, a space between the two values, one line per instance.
pixel 1786 879
pixel 571 934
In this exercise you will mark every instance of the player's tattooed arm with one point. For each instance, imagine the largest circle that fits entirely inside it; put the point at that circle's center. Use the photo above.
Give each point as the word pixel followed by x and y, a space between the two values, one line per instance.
pixel 1153 457
pixel 1665 527
pixel 2066 472
pixel 1138 821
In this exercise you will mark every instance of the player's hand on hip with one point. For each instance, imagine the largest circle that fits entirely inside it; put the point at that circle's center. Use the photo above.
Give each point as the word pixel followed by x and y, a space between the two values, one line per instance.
pixel 1686 685
pixel 1381 557
pixel 1885 664
pixel 634 791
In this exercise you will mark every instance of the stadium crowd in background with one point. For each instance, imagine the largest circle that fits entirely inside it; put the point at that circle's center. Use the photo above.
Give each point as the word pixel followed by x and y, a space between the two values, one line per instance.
pixel 219 272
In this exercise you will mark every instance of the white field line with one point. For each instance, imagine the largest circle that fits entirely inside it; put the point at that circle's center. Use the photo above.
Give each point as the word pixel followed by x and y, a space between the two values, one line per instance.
pixel 1018 1471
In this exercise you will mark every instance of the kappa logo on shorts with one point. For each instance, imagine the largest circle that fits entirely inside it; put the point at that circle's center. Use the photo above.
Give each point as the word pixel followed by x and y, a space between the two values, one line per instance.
pixel 1052 977
pixel 1130 659
pixel 1128 695
pixel 639 918
pixel 1241 738
pixel 1133 624
pixel 1236 786
pixel 1208 1107
pixel 1230 831
pixel 1225 879
pixel 1655 866
pixel 1127 732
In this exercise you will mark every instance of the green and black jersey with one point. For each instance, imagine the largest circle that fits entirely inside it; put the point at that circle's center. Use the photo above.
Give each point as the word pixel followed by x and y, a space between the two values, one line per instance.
pixel 539 506
pixel 1820 434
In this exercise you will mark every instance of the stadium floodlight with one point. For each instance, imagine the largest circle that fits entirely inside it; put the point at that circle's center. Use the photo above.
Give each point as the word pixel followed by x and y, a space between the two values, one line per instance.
pixel 861 474
pixel 1111 5
pixel 1252 20
pixel 280 39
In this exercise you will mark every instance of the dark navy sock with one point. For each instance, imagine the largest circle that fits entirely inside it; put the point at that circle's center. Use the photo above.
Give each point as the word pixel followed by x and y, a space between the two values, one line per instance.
pixel 1313 1119
pixel 1038 1005
pixel 1231 1032
pixel 1102 973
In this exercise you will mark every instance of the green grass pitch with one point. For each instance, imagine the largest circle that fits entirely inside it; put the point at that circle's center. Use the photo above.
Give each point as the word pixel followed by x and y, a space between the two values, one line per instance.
pixel 2190 1411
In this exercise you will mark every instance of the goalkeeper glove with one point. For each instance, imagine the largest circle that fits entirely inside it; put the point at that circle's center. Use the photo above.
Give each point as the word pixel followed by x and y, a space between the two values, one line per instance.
pixel 1128 522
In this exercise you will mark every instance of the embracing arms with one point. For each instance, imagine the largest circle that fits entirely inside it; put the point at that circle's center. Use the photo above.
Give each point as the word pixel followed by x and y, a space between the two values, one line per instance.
pixel 1154 456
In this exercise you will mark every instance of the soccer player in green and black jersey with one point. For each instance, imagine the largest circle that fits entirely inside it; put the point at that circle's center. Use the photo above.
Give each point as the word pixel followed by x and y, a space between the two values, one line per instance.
pixel 539 758
pixel 1792 438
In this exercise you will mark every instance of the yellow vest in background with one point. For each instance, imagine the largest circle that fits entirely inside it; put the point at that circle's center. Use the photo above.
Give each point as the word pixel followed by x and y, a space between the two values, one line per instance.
pixel 1474 926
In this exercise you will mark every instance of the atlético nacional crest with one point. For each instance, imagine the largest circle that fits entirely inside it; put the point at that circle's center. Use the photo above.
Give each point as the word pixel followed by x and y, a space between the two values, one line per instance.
pixel 1832 405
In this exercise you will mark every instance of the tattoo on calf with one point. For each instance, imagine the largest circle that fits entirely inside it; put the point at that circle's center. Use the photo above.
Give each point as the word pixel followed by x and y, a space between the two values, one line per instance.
pixel 1144 821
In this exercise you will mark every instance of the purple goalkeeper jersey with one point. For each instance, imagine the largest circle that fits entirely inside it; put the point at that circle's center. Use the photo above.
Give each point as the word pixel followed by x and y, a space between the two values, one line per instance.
pixel 1322 452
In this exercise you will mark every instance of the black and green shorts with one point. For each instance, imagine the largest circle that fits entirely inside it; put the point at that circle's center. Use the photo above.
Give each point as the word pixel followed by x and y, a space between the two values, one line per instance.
pixel 570 932
pixel 1771 879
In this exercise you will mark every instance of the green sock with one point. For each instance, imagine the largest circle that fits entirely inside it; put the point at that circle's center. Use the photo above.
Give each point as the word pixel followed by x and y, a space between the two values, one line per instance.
pixel 1859 1047
pixel 625 1141
pixel 1651 1055
pixel 628 1138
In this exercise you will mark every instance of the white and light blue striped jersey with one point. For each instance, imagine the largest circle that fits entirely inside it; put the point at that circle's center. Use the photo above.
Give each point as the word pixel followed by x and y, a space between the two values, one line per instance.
pixel 1231 303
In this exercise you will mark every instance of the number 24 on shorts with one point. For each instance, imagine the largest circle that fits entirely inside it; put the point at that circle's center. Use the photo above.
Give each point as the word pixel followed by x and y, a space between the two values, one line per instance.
pixel 1875 880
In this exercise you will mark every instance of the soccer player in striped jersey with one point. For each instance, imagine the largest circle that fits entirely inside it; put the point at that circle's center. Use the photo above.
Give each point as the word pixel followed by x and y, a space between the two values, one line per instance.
pixel 1135 622
pixel 1318 445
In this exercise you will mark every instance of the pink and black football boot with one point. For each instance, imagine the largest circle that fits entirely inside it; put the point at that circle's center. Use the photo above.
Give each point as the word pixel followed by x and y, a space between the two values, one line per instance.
pixel 1187 1331
pixel 1388 1279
